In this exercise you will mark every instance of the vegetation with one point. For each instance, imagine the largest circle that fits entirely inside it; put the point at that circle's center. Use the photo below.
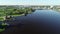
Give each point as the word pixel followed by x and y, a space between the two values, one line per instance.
pixel 12 11
pixel 1 30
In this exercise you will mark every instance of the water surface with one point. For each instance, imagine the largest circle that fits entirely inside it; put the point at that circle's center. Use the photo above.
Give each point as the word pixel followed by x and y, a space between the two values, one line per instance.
pixel 40 21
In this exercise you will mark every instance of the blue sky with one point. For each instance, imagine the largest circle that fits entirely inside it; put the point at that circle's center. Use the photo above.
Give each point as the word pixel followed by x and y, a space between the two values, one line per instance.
pixel 29 2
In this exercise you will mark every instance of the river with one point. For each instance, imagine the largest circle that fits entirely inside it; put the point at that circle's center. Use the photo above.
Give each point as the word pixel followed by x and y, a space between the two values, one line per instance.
pixel 40 21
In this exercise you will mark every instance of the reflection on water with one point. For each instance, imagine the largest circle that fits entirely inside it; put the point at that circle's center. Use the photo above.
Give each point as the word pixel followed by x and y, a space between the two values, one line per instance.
pixel 38 21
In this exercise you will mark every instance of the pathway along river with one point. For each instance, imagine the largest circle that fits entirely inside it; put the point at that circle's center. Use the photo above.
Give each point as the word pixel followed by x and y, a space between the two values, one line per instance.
pixel 40 21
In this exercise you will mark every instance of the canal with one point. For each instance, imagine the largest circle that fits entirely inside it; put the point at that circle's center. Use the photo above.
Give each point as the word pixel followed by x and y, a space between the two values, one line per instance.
pixel 40 21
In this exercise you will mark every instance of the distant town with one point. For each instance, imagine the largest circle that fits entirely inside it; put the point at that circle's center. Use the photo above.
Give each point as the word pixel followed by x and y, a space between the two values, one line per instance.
pixel 56 7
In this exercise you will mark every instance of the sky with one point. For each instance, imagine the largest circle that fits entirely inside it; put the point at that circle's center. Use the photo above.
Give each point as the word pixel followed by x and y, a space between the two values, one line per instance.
pixel 29 2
